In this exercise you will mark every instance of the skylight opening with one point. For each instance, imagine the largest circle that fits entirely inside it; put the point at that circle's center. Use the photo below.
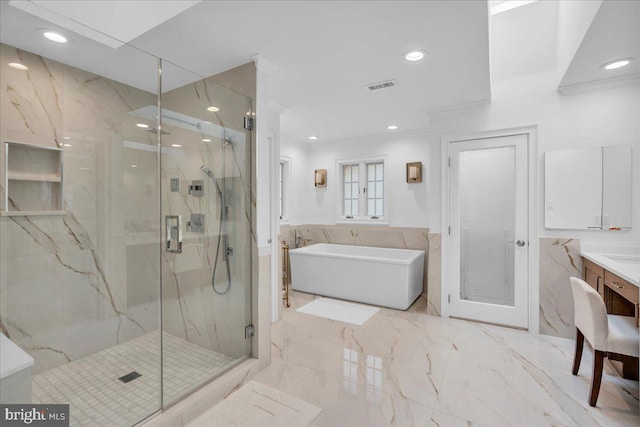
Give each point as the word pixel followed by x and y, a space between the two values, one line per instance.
pixel 498 6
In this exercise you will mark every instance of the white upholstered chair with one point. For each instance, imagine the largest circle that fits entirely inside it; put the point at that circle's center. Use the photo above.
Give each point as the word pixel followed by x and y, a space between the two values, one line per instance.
pixel 608 334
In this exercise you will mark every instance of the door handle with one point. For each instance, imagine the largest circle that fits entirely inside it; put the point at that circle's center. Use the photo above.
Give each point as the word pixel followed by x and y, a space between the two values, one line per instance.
pixel 173 225
pixel 520 243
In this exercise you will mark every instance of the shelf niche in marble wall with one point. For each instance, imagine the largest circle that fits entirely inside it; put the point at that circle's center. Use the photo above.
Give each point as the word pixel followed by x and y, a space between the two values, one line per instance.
pixel 33 179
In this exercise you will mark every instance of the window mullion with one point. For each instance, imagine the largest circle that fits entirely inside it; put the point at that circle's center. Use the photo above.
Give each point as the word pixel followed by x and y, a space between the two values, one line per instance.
pixel 362 176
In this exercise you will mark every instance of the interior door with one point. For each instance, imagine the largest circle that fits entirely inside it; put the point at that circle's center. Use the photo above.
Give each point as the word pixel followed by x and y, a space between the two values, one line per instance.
pixel 489 230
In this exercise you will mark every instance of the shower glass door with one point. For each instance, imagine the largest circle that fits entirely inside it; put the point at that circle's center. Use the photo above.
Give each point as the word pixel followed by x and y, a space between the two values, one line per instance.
pixel 79 222
pixel 206 234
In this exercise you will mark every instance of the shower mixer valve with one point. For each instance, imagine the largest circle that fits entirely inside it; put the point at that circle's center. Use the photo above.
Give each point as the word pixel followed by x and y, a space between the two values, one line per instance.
pixel 196 223
pixel 196 188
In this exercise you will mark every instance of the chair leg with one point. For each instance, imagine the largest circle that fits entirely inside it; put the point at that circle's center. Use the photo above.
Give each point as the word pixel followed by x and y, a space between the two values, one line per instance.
pixel 598 363
pixel 578 355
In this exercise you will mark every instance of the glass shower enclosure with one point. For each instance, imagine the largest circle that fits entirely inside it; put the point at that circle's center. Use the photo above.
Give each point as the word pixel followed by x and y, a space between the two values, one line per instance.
pixel 125 225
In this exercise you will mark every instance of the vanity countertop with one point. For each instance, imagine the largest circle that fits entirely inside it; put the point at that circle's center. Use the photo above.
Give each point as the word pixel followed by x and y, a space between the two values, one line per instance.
pixel 625 265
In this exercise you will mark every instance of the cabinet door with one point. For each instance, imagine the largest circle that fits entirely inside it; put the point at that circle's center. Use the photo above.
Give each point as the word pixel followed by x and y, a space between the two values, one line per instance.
pixel 593 274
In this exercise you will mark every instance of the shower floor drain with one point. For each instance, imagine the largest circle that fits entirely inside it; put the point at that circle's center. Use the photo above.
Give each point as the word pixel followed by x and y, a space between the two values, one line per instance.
pixel 129 377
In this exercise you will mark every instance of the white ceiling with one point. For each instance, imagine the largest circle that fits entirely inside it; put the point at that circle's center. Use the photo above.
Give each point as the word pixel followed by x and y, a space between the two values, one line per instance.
pixel 325 52
pixel 88 50
pixel 613 34
pixel 121 20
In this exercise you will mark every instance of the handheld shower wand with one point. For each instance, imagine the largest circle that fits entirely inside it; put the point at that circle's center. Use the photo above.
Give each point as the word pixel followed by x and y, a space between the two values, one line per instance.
pixel 222 235
pixel 210 174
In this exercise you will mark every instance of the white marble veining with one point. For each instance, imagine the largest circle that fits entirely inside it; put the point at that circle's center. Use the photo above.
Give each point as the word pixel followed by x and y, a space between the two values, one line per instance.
pixel 257 405
pixel 410 368
pixel 90 277
pixel 434 274
pixel 64 292
pixel 559 260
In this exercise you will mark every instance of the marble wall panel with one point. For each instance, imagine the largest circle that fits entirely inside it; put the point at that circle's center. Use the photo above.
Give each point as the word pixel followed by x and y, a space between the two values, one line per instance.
pixel 77 283
pixel 63 278
pixel 434 275
pixel 559 260
pixel 191 308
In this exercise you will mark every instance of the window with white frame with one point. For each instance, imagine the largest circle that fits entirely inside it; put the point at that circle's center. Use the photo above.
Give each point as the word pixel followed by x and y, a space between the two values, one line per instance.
pixel 283 188
pixel 375 189
pixel 351 195
pixel 362 190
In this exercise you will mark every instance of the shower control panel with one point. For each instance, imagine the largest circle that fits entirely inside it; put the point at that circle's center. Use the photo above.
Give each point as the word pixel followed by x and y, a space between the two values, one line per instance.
pixel 196 188
pixel 196 223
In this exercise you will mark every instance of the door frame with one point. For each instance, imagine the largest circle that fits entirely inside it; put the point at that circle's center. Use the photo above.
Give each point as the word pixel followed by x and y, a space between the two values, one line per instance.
pixel 533 283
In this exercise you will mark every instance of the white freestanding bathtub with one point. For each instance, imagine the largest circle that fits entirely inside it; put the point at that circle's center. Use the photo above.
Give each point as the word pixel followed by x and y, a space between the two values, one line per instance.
pixel 378 276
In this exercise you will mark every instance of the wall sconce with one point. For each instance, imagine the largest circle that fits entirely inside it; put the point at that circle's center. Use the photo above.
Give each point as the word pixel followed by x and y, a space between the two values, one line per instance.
pixel 320 177
pixel 414 172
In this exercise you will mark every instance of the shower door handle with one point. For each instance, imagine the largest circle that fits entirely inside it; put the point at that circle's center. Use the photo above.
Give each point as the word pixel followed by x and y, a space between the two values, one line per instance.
pixel 174 234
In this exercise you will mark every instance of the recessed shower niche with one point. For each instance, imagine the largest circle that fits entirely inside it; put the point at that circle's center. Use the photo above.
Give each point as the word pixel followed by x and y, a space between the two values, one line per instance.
pixel 33 179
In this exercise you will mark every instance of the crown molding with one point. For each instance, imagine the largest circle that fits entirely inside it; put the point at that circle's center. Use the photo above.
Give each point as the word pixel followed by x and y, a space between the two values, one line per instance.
pixel 609 83
pixel 457 107
pixel 263 64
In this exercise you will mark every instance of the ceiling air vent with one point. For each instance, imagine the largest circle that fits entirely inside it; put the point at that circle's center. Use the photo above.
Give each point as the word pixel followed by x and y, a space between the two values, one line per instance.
pixel 382 85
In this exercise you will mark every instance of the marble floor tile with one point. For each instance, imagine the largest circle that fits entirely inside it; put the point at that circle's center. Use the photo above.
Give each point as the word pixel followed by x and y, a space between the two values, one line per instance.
pixel 301 349
pixel 282 375
pixel 426 329
pixel 345 403
pixel 257 405
pixel 294 323
pixel 408 368
pixel 298 299
pixel 397 365
pixel 442 419
pixel 498 392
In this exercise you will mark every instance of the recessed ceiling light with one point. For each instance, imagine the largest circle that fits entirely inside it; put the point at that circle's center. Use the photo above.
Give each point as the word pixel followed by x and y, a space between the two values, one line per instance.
pixel 206 140
pixel 84 169
pixel 414 55
pixel 134 166
pixel 176 145
pixel 313 138
pixel 618 63
pixel 392 127
pixel 66 137
pixel 18 66
pixel 55 37
pixel 213 109
pixel 67 145
pixel 142 125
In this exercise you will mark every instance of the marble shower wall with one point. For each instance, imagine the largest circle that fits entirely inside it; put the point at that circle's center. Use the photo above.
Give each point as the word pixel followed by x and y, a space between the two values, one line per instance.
pixel 76 283
pixel 389 237
pixel 192 310
pixel 559 260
